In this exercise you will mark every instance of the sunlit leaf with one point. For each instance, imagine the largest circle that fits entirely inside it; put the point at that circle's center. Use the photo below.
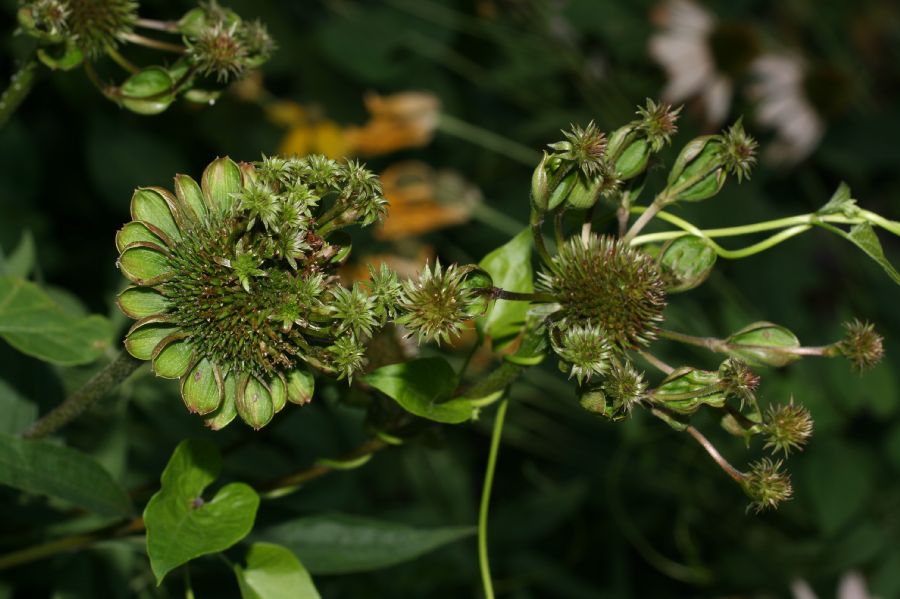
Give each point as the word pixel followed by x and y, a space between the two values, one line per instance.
pixel 273 572
pixel 510 267
pixel 419 386
pixel 181 525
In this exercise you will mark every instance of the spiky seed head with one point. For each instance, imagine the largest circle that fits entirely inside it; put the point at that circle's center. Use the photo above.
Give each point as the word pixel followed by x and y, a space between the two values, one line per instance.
pixel 624 386
pixel 861 345
pixel 737 380
pixel 355 311
pixel 218 50
pixel 767 484
pixel 46 18
pixel 386 289
pixel 97 25
pixel 256 39
pixel 585 147
pixel 605 283
pixel 787 427
pixel 657 121
pixel 738 151
pixel 435 306
pixel 348 357
pixel 584 349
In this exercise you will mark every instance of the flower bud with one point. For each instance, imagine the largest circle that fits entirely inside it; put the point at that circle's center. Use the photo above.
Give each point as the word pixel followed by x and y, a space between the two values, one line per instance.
pixel 763 344
pixel 583 349
pixel 861 345
pixel 540 185
pixel 686 389
pixel 698 171
pixel 254 402
pixel 685 263
pixel 737 380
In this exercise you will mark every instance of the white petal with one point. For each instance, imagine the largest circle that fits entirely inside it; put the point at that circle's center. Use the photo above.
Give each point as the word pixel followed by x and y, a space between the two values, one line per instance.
pixel 717 98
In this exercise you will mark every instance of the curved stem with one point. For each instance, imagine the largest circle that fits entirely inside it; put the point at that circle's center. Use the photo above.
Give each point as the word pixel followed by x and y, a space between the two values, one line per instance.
pixel 20 84
pixel 97 387
pixel 483 564
pixel 644 218
pixel 121 60
pixel 488 140
pixel 717 457
pixel 167 26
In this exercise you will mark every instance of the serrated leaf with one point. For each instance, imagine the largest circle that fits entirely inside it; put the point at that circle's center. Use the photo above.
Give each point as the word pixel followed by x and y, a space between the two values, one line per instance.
pixel 341 543
pixel 180 524
pixel 419 386
pixel 32 323
pixel 273 572
pixel 510 268
pixel 60 472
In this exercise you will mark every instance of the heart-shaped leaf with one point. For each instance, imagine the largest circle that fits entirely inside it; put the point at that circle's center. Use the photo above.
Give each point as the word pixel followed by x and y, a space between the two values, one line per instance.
pixel 32 323
pixel 273 572
pixel 341 543
pixel 181 525
pixel 419 386
pixel 510 268
pixel 61 472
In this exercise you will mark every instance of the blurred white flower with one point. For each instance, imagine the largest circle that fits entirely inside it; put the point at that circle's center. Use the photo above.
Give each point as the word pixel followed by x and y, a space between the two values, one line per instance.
pixel 683 50
pixel 782 105
pixel 852 585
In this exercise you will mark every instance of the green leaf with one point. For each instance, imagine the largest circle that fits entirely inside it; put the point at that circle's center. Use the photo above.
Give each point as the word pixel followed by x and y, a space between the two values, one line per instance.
pixel 510 268
pixel 180 524
pixel 419 386
pixel 60 472
pixel 20 263
pixel 273 572
pixel 863 236
pixel 686 389
pixel 341 543
pixel 32 323
pixel 17 411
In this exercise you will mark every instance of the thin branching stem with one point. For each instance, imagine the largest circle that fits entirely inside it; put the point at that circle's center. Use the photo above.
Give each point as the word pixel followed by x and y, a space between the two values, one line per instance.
pixel 483 563
pixel 19 86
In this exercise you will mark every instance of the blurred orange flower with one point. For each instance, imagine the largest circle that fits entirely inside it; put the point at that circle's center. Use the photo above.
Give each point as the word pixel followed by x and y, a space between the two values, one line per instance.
pixel 398 121
pixel 421 200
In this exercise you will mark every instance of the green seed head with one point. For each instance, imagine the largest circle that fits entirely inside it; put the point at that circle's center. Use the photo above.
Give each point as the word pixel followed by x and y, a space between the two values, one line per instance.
pixel 100 24
pixel 787 427
pixel 861 345
pixel 625 387
pixel 767 484
pixel 235 288
pixel 435 306
pixel 583 147
pixel 606 284
pixel 657 121
pixel 583 349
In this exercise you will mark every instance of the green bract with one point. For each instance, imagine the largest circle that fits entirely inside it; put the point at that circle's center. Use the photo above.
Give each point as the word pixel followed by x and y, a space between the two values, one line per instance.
pixel 234 290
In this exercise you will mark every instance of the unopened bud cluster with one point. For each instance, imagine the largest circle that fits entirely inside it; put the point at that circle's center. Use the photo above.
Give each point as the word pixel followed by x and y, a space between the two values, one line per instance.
pixel 214 43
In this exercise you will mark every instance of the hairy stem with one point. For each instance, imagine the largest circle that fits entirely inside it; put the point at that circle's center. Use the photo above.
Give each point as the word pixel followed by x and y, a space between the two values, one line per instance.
pixel 101 384
pixel 20 84
pixel 483 564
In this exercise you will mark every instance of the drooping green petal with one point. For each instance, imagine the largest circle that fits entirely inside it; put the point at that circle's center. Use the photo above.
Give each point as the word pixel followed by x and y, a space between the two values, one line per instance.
pixel 278 390
pixel 145 263
pixel 172 357
pixel 226 412
pixel 254 402
pixel 133 232
pixel 141 302
pixel 154 210
pixel 202 387
pixel 146 334
pixel 182 221
pixel 300 387
pixel 190 198
pixel 221 179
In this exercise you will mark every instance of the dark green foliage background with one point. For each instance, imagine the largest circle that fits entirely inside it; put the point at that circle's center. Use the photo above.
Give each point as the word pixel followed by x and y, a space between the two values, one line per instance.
pixel 579 503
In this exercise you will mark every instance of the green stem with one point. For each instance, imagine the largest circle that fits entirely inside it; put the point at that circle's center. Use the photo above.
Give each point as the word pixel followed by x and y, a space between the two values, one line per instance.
pixel 20 84
pixel 724 464
pixel 496 219
pixel 516 296
pixel 645 218
pixel 167 26
pixel 488 140
pixel 97 387
pixel 710 343
pixel 486 501
pixel 121 60
pixel 149 42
